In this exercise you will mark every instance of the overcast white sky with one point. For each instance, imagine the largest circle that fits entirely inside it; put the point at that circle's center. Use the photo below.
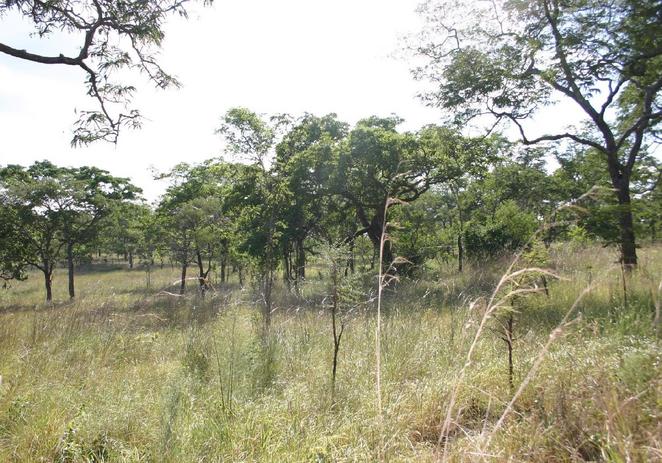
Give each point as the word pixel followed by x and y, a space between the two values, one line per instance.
pixel 270 56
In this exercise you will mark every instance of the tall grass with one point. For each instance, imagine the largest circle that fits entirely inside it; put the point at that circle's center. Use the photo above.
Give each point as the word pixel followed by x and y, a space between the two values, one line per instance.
pixel 127 373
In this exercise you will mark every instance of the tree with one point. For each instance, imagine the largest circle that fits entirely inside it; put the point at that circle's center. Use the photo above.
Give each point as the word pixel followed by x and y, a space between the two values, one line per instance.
pixel 86 196
pixel 125 231
pixel 58 208
pixel 304 160
pixel 36 208
pixel 377 164
pixel 115 36
pixel 462 159
pixel 506 59
pixel 342 298
pixel 419 236
pixel 507 229
pixel 249 136
pixel 192 214
pixel 13 256
pixel 582 170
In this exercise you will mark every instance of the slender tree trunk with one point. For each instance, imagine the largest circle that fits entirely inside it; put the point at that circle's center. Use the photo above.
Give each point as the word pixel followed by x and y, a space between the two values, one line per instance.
pixel 337 333
pixel 268 272
pixel 48 281
pixel 350 259
pixel 70 266
pixel 300 260
pixel 653 227
pixel 182 284
pixel 460 252
pixel 202 275
pixel 268 281
pixel 223 265
pixel 336 349
pixel 287 265
pixel 460 220
pixel 130 259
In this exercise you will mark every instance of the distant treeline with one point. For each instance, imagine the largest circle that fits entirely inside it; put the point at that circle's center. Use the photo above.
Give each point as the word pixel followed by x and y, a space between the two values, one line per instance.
pixel 297 183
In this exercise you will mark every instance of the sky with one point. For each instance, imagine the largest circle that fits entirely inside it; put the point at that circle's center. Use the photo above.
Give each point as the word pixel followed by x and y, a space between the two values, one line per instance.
pixel 286 56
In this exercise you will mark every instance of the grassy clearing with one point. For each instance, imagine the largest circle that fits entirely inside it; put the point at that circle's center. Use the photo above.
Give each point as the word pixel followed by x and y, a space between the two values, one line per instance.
pixel 127 373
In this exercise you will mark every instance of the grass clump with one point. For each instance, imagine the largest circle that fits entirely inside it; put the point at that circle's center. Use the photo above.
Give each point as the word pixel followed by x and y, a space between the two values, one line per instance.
pixel 127 374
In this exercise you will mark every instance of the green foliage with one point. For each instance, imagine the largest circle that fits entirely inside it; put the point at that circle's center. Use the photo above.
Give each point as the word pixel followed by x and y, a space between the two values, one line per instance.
pixel 507 59
pixel 419 233
pixel 13 254
pixel 53 207
pixel 508 229
pixel 578 235
pixel 121 376
pixel 114 37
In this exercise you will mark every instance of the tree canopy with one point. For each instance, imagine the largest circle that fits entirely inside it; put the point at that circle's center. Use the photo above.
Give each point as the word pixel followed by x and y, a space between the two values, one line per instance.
pixel 115 37
pixel 508 59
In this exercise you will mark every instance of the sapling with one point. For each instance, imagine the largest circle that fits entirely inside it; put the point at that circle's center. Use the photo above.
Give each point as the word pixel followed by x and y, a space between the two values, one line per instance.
pixel 343 298
pixel 534 257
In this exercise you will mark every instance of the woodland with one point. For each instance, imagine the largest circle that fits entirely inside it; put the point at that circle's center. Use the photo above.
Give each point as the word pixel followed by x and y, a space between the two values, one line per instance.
pixel 479 289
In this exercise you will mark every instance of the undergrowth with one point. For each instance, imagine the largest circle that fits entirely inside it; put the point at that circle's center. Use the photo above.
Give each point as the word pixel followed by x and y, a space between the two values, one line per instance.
pixel 130 374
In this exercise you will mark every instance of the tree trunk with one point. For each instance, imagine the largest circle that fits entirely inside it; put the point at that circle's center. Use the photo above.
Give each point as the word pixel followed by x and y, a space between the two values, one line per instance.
pixel 460 221
pixel 48 281
pixel 182 284
pixel 350 258
pixel 460 252
pixel 627 238
pixel 300 260
pixel 130 259
pixel 70 266
pixel 653 231
pixel 375 235
pixel 202 275
pixel 268 282
pixel 287 265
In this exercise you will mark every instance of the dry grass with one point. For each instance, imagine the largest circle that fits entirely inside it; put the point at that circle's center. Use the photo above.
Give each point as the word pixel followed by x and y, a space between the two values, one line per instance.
pixel 129 374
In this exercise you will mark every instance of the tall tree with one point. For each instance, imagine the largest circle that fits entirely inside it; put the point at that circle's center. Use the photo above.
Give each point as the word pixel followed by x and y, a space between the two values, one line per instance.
pixel 581 170
pixel 304 160
pixel 377 164
pixel 462 159
pixel 58 208
pixel 251 137
pixel 192 214
pixel 125 231
pixel 86 196
pixel 13 255
pixel 115 36
pixel 506 59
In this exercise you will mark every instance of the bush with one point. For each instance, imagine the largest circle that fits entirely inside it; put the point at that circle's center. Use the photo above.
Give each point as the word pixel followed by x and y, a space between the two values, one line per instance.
pixel 510 228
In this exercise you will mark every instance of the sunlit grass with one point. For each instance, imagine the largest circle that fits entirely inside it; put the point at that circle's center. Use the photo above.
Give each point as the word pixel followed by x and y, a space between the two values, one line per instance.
pixel 127 373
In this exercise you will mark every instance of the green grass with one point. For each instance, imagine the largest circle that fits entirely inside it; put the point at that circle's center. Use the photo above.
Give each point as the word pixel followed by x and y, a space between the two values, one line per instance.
pixel 130 374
